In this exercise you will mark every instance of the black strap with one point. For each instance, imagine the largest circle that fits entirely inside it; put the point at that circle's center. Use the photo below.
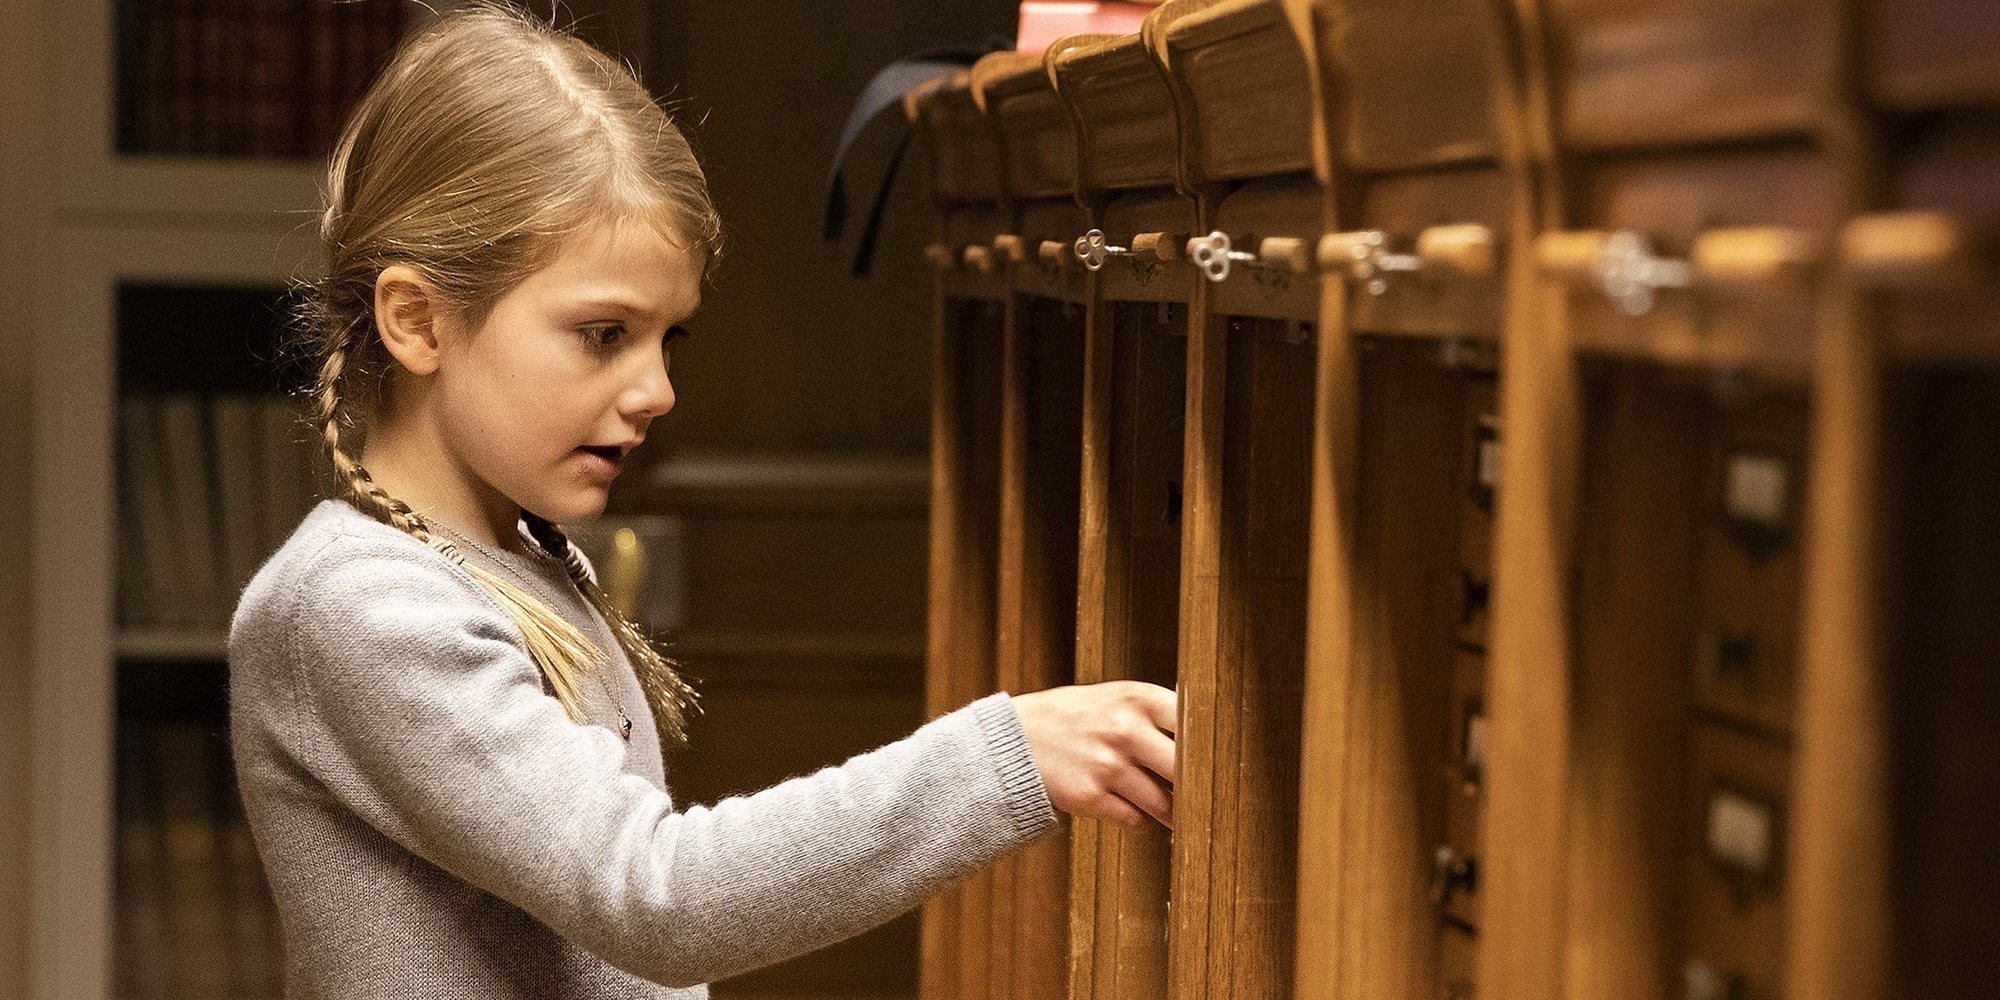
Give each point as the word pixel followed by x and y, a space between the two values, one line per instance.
pixel 886 89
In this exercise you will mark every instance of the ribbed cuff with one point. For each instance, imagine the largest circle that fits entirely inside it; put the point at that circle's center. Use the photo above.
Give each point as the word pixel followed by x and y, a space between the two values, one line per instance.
pixel 1007 743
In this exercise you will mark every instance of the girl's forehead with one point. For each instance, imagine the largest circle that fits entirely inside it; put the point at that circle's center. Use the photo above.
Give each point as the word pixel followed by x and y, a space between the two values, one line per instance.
pixel 630 262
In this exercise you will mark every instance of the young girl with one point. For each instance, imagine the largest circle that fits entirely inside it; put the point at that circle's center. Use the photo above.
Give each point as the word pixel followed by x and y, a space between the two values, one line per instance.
pixel 448 741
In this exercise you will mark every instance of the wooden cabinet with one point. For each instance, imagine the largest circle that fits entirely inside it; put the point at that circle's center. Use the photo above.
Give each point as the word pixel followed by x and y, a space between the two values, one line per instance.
pixel 1140 287
pixel 1419 209
pixel 1542 442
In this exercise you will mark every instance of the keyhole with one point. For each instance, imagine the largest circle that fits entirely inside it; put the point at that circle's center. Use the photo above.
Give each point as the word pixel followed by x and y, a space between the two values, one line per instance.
pixel 1475 594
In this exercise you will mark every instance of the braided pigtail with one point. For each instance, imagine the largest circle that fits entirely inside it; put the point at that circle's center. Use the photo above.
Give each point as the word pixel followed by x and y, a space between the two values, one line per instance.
pixel 672 699
pixel 563 654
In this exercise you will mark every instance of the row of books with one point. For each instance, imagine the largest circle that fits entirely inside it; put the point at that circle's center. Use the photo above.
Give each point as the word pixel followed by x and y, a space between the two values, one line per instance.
pixel 209 486
pixel 248 77
pixel 195 917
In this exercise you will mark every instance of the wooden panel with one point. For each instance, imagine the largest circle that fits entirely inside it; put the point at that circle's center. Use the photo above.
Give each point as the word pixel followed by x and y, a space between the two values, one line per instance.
pixel 1243 623
pixel 1127 115
pixel 1430 303
pixel 1949 166
pixel 965 147
pixel 1637 538
pixel 1241 72
pixel 1040 440
pixel 1933 53
pixel 1252 213
pixel 1673 199
pixel 1146 277
pixel 1383 58
pixel 1407 792
pixel 964 539
pixel 1036 138
pixel 1060 221
pixel 1631 73
pixel 1941 485
pixel 1128 617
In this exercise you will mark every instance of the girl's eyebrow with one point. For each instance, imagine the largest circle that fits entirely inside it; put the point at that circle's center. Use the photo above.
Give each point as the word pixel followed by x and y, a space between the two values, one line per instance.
pixel 619 305
pixel 611 305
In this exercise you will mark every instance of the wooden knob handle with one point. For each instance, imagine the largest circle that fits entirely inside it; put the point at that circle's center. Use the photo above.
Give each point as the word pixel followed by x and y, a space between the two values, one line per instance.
pixel 1342 251
pixel 1285 253
pixel 1160 245
pixel 979 258
pixel 1466 249
pixel 1570 255
pixel 1011 248
pixel 1755 254
pixel 1910 249
pixel 938 256
pixel 1055 253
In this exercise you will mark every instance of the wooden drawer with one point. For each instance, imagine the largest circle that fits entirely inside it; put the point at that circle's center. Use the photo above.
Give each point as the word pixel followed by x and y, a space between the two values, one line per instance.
pixel 1037 143
pixel 1675 202
pixel 1734 912
pixel 1241 71
pixel 965 148
pixel 1637 74
pixel 1383 58
pixel 1433 301
pixel 1147 277
pixel 1479 471
pixel 1125 112
pixel 1254 214
pixel 1746 636
pixel 1043 259
pixel 1933 53
pixel 1951 167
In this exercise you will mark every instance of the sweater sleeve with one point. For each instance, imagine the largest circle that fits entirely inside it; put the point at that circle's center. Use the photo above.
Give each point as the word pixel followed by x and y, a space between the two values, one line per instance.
pixel 430 723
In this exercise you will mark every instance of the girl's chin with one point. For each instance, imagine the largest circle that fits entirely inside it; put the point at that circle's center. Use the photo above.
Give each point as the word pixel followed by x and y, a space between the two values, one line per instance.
pixel 579 502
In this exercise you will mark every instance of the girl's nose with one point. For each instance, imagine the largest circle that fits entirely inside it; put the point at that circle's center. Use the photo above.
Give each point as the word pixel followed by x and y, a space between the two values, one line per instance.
pixel 654 394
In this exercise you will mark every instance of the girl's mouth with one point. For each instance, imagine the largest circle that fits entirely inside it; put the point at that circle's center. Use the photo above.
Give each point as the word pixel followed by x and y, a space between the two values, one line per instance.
pixel 603 460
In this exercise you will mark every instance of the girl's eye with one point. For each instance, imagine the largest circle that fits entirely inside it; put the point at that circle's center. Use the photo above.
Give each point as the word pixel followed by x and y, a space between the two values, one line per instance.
pixel 602 336
pixel 675 333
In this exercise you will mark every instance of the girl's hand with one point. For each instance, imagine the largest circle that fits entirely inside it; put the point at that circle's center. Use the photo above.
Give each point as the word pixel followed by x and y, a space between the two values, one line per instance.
pixel 1106 751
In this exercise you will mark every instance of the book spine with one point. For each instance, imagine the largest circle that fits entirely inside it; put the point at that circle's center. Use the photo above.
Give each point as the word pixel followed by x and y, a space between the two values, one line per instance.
pixel 151 523
pixel 239 475
pixel 184 444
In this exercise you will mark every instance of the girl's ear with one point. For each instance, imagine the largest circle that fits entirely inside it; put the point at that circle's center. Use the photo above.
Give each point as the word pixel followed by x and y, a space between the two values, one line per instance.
pixel 408 312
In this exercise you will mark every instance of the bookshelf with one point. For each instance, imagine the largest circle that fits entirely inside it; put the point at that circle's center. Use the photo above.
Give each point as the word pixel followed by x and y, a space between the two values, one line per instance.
pixel 126 707
pixel 77 530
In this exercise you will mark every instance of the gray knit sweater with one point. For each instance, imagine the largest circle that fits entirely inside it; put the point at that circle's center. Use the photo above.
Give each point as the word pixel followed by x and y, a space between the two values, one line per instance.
pixel 434 825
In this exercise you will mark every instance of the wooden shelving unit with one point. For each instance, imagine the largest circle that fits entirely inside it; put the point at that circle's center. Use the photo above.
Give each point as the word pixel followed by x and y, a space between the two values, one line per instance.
pixel 1578 517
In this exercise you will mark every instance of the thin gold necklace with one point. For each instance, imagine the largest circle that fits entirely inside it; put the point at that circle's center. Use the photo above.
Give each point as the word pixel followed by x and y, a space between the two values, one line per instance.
pixel 624 721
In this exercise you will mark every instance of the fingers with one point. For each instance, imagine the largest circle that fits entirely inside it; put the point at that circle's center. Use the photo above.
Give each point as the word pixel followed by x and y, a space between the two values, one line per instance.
pixel 1154 751
pixel 1160 705
pixel 1114 809
pixel 1144 791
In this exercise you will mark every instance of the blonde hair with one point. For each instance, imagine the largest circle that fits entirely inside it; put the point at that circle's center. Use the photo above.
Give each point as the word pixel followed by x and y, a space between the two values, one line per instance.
pixel 488 140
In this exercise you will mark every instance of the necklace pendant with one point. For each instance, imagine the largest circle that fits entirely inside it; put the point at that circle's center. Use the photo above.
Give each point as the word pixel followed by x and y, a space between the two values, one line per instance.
pixel 624 727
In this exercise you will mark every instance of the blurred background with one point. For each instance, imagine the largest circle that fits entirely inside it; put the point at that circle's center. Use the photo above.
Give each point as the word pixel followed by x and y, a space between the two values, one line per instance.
pixel 158 172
